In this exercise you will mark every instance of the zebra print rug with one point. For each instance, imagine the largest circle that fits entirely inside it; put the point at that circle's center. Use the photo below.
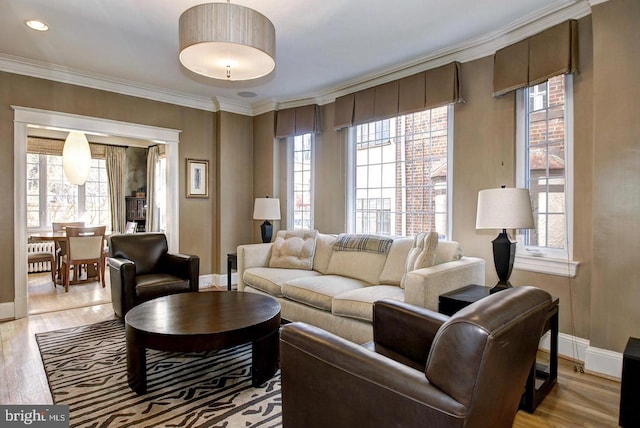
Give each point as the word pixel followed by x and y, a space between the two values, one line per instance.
pixel 87 369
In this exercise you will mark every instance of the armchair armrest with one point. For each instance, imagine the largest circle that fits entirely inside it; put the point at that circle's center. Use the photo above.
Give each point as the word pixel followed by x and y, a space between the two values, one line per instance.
pixel 252 255
pixel 329 381
pixel 122 274
pixel 404 332
pixel 424 286
pixel 183 266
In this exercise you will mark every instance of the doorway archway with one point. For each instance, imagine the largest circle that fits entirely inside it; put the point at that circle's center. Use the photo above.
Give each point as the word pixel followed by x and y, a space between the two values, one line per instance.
pixel 23 117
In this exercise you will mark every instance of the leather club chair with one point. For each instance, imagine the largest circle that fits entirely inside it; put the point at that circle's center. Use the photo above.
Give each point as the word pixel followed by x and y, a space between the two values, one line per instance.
pixel 141 268
pixel 423 369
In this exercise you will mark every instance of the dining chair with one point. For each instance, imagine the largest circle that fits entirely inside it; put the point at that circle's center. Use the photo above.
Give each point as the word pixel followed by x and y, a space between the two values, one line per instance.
pixel 85 246
pixel 61 249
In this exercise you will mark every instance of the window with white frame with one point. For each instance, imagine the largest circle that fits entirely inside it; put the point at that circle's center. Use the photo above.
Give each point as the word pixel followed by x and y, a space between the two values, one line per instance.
pixel 544 166
pixel 51 198
pixel 400 173
pixel 301 182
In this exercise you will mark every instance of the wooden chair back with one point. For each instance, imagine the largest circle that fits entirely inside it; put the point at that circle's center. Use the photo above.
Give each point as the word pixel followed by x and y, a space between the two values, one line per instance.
pixel 85 246
pixel 60 227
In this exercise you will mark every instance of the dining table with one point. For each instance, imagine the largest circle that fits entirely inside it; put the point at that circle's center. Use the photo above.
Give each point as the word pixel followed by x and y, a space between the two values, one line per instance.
pixel 58 237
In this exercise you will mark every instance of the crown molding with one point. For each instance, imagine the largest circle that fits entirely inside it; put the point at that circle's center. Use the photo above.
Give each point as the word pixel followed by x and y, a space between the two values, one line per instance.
pixel 27 67
pixel 467 51
pixel 231 106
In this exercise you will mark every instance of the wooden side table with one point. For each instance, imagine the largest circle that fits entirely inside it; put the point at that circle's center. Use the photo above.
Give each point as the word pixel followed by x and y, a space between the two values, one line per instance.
pixel 542 378
pixel 232 263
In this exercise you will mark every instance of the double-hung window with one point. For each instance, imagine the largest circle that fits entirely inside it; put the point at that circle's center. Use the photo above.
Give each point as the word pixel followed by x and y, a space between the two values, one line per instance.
pixel 399 174
pixel 544 166
pixel 301 182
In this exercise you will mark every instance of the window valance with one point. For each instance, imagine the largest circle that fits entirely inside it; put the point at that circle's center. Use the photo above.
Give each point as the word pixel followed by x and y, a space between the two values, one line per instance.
pixel 53 147
pixel 537 58
pixel 297 121
pixel 428 89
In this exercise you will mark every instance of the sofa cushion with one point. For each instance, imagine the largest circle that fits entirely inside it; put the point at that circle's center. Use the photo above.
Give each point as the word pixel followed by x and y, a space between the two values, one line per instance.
pixel 324 250
pixel 359 303
pixel 319 291
pixel 270 280
pixel 395 265
pixel 423 252
pixel 293 249
pixel 357 264
pixel 448 251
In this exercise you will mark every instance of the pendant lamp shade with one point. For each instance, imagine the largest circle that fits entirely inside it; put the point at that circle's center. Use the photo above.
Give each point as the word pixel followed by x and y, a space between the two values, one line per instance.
pixel 76 158
pixel 227 41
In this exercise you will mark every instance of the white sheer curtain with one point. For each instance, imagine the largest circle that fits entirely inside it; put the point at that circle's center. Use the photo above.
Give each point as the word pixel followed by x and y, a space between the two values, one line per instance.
pixel 116 173
pixel 152 212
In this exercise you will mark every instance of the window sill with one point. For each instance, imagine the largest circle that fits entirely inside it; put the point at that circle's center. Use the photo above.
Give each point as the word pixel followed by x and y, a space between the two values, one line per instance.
pixel 559 267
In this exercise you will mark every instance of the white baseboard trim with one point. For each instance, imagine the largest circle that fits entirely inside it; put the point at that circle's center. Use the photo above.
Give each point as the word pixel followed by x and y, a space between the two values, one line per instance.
pixel 595 360
pixel 217 280
pixel 207 281
pixel 7 311
pixel 603 361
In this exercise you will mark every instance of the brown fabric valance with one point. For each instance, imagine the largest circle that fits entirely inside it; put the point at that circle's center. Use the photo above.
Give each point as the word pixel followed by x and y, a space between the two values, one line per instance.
pixel 417 92
pixel 537 58
pixel 297 121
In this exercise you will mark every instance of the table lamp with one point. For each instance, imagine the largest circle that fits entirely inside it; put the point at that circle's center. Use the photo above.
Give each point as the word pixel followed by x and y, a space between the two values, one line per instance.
pixel 504 208
pixel 266 209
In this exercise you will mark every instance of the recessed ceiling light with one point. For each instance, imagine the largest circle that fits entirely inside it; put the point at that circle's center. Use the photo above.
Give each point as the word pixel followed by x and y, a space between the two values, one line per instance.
pixel 37 25
pixel 246 94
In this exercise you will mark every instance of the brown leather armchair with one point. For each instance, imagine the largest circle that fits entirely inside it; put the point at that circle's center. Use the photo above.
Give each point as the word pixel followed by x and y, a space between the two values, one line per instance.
pixel 141 268
pixel 423 369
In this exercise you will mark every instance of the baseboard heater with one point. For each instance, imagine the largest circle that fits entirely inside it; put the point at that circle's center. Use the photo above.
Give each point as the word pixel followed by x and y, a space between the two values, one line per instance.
pixel 40 247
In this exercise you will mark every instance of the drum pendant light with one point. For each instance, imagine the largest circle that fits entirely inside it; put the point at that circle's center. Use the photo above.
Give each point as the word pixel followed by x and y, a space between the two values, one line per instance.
pixel 227 41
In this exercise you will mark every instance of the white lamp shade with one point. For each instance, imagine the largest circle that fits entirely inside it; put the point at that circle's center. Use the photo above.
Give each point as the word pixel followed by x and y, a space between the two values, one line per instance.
pixel 76 158
pixel 266 209
pixel 504 208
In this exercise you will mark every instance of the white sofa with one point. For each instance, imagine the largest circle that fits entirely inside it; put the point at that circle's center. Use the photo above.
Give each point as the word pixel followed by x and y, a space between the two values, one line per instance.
pixel 335 289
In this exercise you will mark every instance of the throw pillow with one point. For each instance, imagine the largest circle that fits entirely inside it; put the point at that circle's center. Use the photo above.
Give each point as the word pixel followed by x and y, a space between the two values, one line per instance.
pixel 423 252
pixel 293 249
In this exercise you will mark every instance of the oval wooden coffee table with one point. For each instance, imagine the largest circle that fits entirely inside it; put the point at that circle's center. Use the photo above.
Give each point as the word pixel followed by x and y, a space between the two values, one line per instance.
pixel 192 322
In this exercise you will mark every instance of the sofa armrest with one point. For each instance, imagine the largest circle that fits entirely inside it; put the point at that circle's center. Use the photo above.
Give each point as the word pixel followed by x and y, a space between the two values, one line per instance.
pixel 424 286
pixel 404 332
pixel 252 255
pixel 329 381
pixel 184 266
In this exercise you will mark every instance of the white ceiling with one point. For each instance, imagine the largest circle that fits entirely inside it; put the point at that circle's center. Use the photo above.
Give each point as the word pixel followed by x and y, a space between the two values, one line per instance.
pixel 323 48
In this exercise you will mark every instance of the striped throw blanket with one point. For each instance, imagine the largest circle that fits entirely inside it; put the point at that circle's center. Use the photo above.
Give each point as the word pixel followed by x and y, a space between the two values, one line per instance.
pixel 367 243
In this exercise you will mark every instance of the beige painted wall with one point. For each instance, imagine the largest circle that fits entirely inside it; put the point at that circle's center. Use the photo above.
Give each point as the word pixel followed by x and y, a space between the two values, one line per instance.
pixel 197 140
pixel 615 289
pixel 266 161
pixel 235 194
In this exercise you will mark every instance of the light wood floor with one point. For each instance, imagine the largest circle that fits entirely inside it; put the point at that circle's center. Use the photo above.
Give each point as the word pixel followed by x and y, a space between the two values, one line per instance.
pixel 578 400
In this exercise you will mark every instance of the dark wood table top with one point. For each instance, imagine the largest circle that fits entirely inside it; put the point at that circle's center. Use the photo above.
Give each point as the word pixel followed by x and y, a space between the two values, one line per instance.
pixel 202 320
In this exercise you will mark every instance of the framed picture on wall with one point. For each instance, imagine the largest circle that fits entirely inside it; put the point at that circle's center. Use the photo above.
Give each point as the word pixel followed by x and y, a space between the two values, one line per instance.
pixel 197 178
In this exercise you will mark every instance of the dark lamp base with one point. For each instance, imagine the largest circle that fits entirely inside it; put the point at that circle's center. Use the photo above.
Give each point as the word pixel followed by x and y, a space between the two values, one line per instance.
pixel 500 286
pixel 266 230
